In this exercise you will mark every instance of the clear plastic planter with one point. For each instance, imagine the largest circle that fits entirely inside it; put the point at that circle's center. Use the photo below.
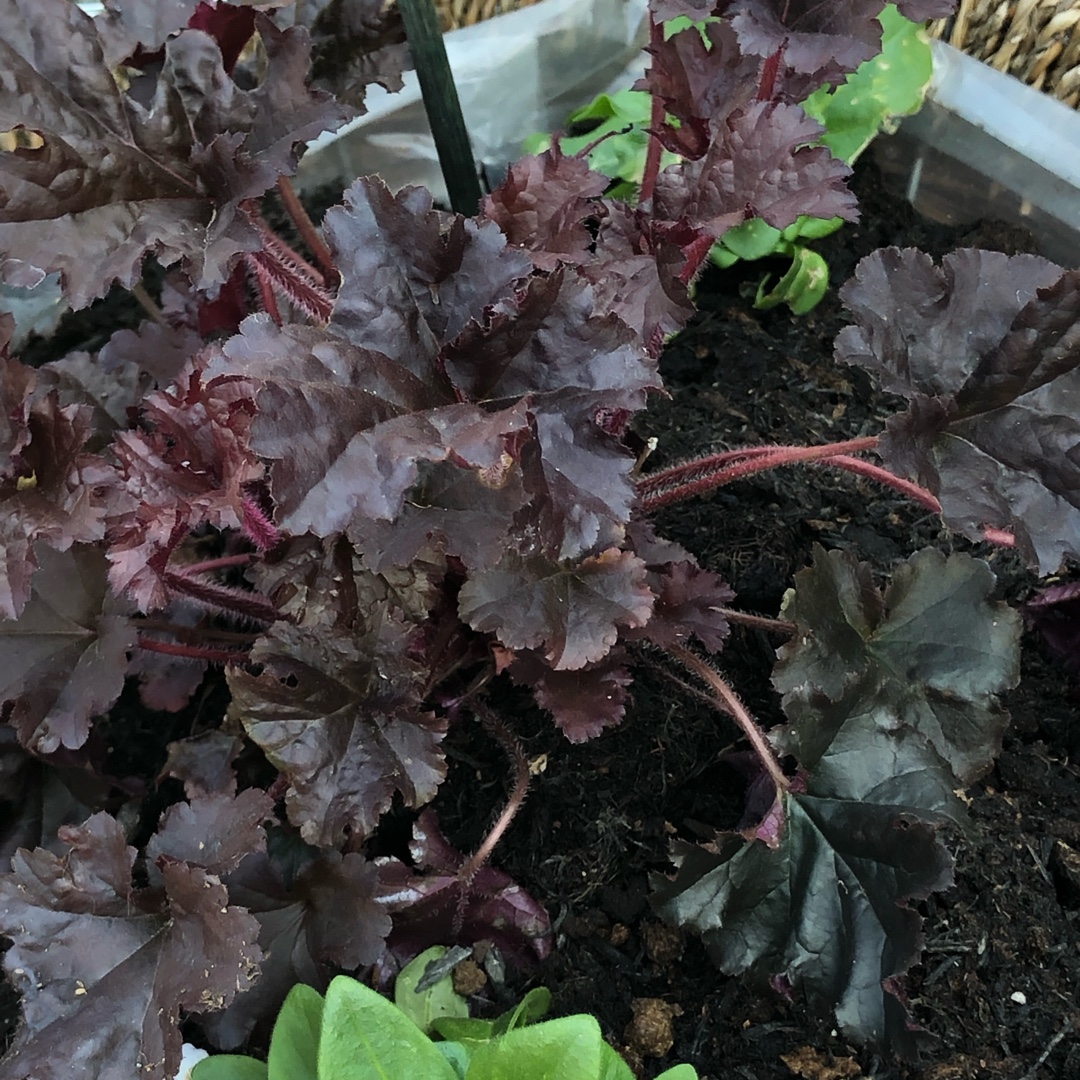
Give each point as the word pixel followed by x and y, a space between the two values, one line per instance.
pixel 985 145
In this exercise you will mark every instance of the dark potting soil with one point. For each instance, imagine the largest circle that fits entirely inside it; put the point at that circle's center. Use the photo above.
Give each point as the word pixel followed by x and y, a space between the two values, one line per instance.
pixel 999 983
pixel 997 989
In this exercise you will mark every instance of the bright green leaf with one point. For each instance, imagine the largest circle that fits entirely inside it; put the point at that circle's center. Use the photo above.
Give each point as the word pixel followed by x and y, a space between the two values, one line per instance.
pixel 679 1072
pixel 294 1045
pixel 566 1049
pixel 434 1002
pixel 532 1007
pixel 612 1067
pixel 753 239
pixel 801 288
pixel 457 1055
pixel 891 84
pixel 366 1037
pixel 229 1067
pixel 464 1031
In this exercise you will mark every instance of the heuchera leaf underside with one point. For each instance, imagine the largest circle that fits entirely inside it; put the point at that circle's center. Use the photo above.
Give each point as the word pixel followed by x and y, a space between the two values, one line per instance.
pixel 818 894
pixel 986 348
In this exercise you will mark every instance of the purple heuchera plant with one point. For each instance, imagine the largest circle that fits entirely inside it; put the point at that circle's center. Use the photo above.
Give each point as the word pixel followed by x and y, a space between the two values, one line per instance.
pixel 370 483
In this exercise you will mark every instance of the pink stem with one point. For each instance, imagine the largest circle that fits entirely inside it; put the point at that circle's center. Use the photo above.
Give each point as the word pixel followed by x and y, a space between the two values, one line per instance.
pixel 757 622
pixel 883 476
pixel 307 229
pixel 913 491
pixel 516 754
pixel 307 295
pixel 729 702
pixel 699 467
pixel 266 290
pixel 751 463
pixel 192 652
pixel 224 563
pixel 249 605
pixel 998 536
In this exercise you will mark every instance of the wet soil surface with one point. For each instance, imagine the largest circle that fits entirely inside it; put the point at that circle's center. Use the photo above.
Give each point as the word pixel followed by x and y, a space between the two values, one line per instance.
pixel 998 990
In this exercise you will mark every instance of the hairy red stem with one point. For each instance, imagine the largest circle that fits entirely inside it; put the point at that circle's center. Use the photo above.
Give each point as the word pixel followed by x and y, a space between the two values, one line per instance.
pixel 517 757
pixel 883 476
pixel 662 494
pixel 757 622
pixel 224 563
pixel 913 491
pixel 266 291
pixel 306 228
pixel 223 598
pixel 728 701
pixel 309 296
pixel 192 652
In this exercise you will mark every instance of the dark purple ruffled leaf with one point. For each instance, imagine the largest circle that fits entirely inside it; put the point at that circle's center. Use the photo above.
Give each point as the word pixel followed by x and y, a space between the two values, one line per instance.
pixel 572 612
pixel 543 205
pixel 105 968
pixel 337 711
pixel 891 703
pixel 313 921
pixel 760 164
pixel 428 905
pixel 582 703
pixel 985 348
pixel 65 657
pixel 116 179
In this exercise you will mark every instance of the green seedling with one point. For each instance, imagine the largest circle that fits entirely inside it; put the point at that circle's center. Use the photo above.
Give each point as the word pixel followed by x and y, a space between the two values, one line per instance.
pixel 357 1034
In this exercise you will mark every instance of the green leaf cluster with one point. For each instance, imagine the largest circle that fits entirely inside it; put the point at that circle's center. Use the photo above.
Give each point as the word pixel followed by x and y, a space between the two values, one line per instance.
pixel 355 1033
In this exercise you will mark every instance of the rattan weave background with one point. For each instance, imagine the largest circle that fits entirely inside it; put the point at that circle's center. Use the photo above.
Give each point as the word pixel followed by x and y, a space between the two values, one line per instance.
pixel 1038 41
pixel 456 13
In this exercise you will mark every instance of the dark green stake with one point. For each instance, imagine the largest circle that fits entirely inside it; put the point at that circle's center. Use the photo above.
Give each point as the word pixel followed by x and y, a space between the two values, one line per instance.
pixel 441 104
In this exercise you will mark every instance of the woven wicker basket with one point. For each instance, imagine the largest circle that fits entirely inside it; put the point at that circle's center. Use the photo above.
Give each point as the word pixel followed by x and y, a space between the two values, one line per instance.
pixel 458 13
pixel 1038 41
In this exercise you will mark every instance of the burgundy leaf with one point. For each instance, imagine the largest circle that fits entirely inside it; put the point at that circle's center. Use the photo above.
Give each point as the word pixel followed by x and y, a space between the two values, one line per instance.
pixel 204 763
pixel 571 612
pixel 337 711
pixel 760 164
pixel 582 703
pixel 161 350
pixel 104 968
pixel 118 177
pixel 543 205
pixel 823 40
pixel 985 348
pixel 312 923
pixel 429 902
pixel 66 655
pixel 699 85
pixel 640 273
pixel 215 831
pixel 51 489
pixel 414 277
pixel 347 428
pixel 191 468
pixel 356 43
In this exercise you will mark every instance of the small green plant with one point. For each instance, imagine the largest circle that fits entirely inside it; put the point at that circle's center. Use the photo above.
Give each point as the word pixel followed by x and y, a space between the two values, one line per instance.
pixel 357 1034
pixel 890 85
